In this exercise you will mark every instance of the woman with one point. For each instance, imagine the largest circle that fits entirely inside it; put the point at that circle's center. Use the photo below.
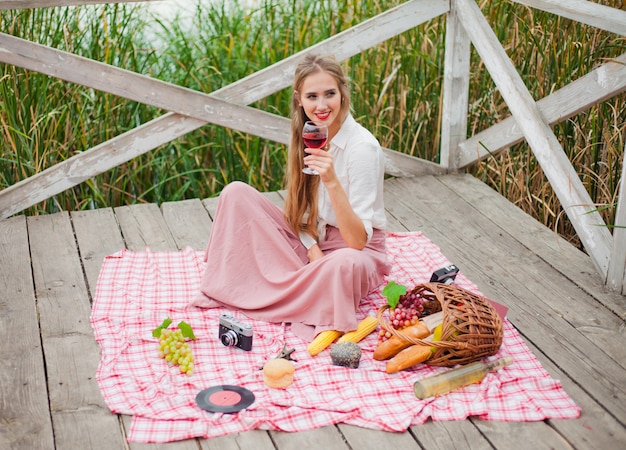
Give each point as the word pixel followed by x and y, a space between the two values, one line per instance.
pixel 310 264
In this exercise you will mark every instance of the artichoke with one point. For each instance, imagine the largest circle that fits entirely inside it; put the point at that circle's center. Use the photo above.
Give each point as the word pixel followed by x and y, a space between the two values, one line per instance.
pixel 347 354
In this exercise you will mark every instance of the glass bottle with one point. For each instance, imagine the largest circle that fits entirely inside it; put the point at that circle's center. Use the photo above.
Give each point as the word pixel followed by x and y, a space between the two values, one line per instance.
pixel 456 378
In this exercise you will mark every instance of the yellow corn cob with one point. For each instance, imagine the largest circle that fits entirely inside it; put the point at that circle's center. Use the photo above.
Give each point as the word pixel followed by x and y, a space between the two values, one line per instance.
pixel 365 327
pixel 323 340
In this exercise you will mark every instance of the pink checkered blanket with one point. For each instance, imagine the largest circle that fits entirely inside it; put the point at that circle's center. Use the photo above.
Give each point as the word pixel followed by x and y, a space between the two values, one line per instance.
pixel 137 290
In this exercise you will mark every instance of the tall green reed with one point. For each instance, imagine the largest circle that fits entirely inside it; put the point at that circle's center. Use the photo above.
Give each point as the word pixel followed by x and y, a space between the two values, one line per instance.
pixel 396 90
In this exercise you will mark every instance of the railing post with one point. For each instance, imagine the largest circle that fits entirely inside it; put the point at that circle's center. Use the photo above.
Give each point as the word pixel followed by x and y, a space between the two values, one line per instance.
pixel 616 277
pixel 455 90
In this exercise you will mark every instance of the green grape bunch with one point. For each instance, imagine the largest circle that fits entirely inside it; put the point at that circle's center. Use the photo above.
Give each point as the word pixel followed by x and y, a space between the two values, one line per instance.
pixel 173 345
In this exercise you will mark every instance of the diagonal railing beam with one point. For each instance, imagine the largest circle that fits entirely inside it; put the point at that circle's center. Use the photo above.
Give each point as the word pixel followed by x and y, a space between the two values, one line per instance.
pixel 170 126
pixel 583 11
pixel 600 84
pixel 564 180
pixel 140 88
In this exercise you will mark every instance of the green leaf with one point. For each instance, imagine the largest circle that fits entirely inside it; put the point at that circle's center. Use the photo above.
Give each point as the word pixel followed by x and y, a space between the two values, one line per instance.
pixel 157 331
pixel 186 329
pixel 393 292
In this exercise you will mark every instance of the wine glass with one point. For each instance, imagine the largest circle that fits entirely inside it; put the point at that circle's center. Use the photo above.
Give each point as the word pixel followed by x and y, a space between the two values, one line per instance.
pixel 314 136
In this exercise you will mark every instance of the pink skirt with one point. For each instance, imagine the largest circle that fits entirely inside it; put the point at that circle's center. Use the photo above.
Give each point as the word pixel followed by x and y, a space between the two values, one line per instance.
pixel 257 265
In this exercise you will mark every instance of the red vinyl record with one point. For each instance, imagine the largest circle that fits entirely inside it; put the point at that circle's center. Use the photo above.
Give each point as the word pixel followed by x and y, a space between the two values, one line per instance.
pixel 225 398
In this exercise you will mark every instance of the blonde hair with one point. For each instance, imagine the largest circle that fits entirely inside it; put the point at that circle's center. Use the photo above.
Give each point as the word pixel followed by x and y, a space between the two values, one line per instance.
pixel 302 188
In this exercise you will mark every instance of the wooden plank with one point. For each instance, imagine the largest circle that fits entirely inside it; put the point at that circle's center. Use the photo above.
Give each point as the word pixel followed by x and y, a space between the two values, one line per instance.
pixel 393 224
pixel 598 85
pixel 367 439
pixel 563 178
pixel 319 438
pixel 159 131
pixel 542 304
pixel 188 222
pixel 535 435
pixel 456 80
pixel 187 444
pixel 79 414
pixel 275 198
pixel 24 410
pixel 590 13
pixel 596 428
pixel 211 205
pixel 255 439
pixel 549 246
pixel 98 236
pixel 402 165
pixel 446 435
pixel 143 227
pixel 616 277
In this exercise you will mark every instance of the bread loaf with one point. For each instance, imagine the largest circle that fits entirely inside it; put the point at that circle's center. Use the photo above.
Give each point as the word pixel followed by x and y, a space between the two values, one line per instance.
pixel 278 373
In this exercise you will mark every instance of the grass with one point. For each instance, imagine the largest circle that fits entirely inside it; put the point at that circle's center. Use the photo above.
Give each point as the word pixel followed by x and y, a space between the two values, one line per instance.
pixel 396 91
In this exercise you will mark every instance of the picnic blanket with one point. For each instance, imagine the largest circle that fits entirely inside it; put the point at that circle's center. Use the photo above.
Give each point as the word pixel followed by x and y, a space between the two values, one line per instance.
pixel 137 290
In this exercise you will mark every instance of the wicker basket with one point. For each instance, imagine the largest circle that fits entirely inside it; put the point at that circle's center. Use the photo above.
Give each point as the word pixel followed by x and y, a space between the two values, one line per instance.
pixel 472 329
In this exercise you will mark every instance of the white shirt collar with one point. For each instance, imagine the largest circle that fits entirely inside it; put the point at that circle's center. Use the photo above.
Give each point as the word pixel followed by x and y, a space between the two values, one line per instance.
pixel 341 138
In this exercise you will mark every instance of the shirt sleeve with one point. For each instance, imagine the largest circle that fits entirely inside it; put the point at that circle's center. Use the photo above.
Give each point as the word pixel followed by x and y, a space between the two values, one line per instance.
pixel 307 240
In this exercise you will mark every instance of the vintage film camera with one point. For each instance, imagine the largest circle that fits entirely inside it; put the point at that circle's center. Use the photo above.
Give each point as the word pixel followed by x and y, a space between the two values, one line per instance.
pixel 445 275
pixel 233 333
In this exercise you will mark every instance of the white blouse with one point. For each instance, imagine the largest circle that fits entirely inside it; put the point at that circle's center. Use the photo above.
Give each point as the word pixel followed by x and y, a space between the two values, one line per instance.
pixel 360 167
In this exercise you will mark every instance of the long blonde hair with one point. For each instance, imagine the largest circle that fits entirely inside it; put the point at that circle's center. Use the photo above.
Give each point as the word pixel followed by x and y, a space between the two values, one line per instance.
pixel 302 188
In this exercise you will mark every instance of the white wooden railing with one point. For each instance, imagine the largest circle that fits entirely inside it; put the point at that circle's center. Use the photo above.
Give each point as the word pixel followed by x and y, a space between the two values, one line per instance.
pixel 530 120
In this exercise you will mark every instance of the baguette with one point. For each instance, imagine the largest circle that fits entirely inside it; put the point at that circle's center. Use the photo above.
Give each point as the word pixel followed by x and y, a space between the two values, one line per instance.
pixel 408 357
pixel 393 345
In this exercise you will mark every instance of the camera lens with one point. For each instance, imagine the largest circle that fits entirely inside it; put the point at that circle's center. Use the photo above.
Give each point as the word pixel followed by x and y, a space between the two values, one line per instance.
pixel 229 338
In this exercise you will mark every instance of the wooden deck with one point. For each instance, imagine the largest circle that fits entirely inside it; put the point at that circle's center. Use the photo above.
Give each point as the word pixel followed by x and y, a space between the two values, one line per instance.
pixel 49 267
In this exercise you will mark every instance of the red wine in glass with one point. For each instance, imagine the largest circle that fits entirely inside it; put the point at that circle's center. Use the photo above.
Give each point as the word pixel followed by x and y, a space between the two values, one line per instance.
pixel 314 136
pixel 314 140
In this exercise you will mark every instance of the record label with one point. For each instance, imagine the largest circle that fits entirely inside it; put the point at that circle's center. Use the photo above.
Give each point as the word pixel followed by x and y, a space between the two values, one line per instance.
pixel 224 398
